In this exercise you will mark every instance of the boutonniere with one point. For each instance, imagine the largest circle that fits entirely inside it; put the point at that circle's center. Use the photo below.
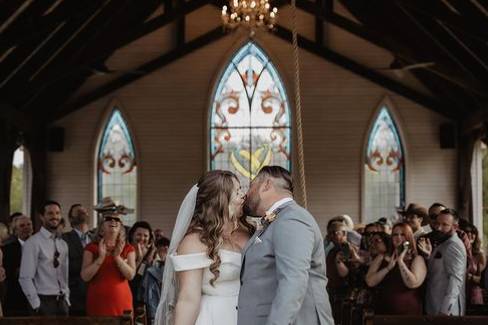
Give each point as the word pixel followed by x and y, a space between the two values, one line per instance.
pixel 268 218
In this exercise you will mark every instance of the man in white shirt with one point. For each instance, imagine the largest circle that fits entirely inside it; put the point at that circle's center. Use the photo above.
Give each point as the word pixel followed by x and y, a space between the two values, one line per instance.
pixel 44 266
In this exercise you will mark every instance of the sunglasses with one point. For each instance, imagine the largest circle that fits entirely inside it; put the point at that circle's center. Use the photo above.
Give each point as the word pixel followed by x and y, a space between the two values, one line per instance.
pixel 111 219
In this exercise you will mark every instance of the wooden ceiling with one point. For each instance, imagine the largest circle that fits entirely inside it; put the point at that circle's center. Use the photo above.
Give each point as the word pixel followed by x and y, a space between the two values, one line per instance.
pixel 49 48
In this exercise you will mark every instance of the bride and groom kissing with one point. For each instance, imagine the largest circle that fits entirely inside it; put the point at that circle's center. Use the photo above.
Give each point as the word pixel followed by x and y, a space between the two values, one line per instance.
pixel 222 271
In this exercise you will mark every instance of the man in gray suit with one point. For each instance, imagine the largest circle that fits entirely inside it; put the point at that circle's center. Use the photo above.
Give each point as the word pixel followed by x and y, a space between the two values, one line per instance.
pixel 445 292
pixel 283 277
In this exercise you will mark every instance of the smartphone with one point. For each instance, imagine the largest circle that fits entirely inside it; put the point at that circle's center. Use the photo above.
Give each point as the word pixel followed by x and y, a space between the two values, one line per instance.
pixel 402 247
pixel 345 251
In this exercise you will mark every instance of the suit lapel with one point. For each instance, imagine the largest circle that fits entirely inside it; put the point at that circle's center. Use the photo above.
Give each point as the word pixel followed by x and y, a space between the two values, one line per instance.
pixel 260 232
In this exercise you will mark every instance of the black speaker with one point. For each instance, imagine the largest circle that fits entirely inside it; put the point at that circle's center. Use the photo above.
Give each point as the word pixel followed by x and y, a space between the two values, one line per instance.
pixel 55 139
pixel 447 136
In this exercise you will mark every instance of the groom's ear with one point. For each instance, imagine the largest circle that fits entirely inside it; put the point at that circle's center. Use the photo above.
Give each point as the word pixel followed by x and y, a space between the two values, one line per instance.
pixel 267 184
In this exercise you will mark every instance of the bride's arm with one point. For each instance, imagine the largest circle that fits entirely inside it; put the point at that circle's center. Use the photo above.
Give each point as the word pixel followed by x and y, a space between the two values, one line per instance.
pixel 190 284
pixel 190 292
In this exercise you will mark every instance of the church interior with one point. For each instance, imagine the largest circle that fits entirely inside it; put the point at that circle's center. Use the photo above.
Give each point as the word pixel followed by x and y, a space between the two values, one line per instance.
pixel 371 104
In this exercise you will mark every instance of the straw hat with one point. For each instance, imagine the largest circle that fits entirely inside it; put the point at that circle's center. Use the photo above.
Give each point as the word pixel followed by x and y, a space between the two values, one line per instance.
pixel 109 207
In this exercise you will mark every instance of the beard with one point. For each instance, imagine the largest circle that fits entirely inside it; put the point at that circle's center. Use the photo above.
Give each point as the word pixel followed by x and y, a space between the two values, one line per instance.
pixel 52 224
pixel 250 207
pixel 439 237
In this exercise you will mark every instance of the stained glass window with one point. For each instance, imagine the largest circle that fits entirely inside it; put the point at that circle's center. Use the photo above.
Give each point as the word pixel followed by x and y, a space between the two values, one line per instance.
pixel 250 120
pixel 117 166
pixel 384 169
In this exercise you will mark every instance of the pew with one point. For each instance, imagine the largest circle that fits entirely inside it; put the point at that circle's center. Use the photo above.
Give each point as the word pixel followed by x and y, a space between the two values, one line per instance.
pixel 372 319
pixel 125 319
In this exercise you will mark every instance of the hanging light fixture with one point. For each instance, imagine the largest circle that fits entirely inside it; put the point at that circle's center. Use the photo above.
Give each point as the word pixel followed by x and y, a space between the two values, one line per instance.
pixel 252 14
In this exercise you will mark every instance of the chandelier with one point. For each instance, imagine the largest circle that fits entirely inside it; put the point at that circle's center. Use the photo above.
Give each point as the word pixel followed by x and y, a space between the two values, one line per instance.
pixel 252 14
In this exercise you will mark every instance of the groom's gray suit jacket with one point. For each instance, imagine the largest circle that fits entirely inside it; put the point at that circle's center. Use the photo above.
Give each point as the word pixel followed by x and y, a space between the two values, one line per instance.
pixel 283 277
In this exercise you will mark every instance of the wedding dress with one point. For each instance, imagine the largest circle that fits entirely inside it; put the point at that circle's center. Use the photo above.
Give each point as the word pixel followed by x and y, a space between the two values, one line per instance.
pixel 218 304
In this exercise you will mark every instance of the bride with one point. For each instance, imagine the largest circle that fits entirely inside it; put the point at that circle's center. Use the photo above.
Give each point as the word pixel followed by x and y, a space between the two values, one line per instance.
pixel 201 277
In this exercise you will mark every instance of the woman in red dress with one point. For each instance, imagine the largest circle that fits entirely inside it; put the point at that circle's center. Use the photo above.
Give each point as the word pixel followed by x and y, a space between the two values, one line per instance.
pixel 398 277
pixel 108 265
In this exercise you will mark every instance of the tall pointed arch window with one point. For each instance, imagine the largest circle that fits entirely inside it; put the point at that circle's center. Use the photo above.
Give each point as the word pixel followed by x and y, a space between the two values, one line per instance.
pixel 250 116
pixel 117 165
pixel 21 181
pixel 384 169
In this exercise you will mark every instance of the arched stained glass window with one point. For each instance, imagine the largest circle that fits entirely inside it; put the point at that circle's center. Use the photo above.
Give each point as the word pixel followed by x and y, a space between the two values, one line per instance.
pixel 250 119
pixel 384 169
pixel 117 165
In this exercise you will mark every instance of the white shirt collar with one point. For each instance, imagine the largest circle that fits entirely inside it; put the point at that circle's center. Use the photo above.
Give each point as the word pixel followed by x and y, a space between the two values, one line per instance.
pixel 80 234
pixel 46 233
pixel 22 242
pixel 279 203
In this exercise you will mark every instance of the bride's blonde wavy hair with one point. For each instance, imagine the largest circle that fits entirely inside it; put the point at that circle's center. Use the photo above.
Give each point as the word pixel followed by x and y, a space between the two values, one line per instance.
pixel 211 213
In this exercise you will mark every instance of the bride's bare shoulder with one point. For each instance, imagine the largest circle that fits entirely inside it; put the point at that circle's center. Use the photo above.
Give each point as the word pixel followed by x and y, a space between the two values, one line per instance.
pixel 191 244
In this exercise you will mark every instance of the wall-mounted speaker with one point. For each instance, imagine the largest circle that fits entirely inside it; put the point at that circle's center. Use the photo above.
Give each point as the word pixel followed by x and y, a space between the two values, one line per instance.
pixel 447 136
pixel 55 139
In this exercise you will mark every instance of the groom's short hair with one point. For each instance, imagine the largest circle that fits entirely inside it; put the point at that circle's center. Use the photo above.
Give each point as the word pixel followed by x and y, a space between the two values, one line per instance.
pixel 279 173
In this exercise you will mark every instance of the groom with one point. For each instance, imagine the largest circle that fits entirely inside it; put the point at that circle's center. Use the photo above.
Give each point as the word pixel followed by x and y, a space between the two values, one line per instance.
pixel 283 278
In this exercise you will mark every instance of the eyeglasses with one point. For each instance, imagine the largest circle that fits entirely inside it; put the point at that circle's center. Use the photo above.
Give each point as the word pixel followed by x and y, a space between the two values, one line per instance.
pixel 111 219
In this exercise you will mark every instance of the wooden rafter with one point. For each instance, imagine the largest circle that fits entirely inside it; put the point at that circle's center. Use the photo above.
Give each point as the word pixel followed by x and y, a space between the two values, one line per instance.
pixel 99 51
pixel 165 59
pixel 379 79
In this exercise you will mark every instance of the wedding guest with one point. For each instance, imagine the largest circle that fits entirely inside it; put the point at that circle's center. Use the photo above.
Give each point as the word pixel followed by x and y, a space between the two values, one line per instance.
pixel 476 266
pixel 152 283
pixel 4 234
pixel 398 276
pixel 445 290
pixel 77 239
pixel 338 267
pixel 16 303
pixel 416 216
pixel 158 234
pixel 108 265
pixel 44 266
pixel 435 209
pixel 141 237
pixel 12 238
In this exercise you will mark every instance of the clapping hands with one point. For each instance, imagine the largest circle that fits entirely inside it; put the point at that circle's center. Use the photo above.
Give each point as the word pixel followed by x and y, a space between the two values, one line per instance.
pixel 119 248
pixel 102 248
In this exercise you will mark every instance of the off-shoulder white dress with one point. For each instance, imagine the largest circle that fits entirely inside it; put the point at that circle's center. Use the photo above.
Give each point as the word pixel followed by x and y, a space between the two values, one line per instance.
pixel 219 302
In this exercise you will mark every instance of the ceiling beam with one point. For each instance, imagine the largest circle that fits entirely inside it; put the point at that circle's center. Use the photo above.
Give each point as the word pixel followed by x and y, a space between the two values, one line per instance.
pixel 147 68
pixel 436 10
pixel 33 26
pixel 397 48
pixel 375 77
pixel 102 51
pixel 21 55
pixel 454 48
